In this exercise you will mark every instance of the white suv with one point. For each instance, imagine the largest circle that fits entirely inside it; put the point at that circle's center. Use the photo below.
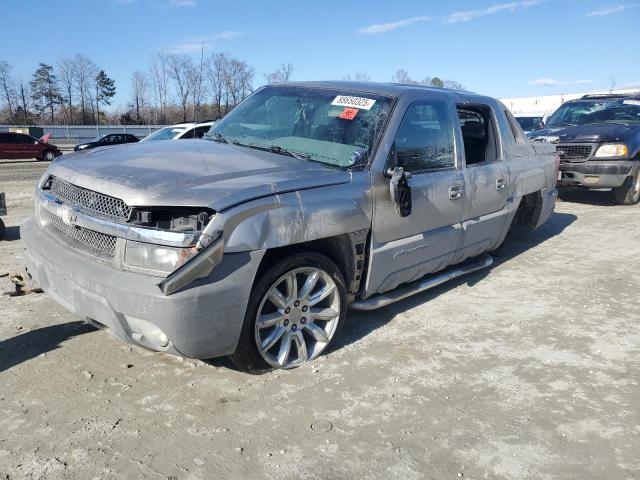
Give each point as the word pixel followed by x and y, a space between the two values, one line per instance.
pixel 183 130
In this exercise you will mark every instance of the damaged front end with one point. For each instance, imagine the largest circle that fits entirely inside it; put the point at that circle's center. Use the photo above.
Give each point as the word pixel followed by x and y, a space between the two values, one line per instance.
pixel 179 244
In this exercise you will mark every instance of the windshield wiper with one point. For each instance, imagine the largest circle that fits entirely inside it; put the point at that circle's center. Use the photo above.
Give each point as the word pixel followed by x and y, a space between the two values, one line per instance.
pixel 275 149
pixel 218 137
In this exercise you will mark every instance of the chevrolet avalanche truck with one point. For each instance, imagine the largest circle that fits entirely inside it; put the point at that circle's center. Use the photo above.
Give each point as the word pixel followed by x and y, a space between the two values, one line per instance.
pixel 598 140
pixel 305 200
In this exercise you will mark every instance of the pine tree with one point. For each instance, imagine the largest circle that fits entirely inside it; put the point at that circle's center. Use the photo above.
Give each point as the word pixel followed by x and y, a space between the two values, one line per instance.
pixel 44 89
pixel 105 90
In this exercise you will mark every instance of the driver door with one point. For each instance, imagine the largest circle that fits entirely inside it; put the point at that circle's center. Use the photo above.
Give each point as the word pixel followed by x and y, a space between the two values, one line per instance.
pixel 407 246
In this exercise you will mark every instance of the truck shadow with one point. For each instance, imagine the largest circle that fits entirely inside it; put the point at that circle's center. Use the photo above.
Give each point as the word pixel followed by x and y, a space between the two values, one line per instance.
pixel 587 197
pixel 28 345
pixel 360 324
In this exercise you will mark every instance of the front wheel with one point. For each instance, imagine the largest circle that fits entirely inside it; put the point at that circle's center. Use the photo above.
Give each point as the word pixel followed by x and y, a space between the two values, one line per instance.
pixel 48 156
pixel 295 310
pixel 629 192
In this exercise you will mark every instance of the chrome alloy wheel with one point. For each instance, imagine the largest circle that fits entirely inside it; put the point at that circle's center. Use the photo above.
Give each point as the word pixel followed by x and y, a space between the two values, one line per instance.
pixel 297 317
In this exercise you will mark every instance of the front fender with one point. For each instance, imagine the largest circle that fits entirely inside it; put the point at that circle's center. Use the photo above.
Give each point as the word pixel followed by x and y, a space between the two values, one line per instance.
pixel 297 217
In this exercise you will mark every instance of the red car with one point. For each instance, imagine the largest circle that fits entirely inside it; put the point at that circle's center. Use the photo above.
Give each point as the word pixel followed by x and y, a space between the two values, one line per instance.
pixel 19 145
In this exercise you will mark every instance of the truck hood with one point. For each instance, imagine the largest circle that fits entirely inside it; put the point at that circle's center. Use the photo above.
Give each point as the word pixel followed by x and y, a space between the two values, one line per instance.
pixel 199 173
pixel 592 133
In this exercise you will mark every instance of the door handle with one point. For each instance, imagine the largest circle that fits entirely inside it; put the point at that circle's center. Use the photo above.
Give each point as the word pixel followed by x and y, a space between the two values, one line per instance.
pixel 500 184
pixel 456 191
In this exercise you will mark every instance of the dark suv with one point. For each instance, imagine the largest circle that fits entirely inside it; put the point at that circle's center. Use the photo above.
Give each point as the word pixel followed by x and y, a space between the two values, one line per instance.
pixel 598 141
pixel 21 146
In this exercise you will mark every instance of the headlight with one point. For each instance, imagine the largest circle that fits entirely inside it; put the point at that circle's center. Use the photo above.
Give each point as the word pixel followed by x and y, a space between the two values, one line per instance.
pixel 156 258
pixel 612 150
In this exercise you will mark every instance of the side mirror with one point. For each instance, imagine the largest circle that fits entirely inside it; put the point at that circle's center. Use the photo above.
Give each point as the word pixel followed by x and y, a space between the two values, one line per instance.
pixel 401 191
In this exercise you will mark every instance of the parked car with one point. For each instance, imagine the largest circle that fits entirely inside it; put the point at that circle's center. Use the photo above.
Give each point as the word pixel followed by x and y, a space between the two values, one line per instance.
pixel 180 131
pixel 309 198
pixel 21 146
pixel 105 140
pixel 530 122
pixel 598 140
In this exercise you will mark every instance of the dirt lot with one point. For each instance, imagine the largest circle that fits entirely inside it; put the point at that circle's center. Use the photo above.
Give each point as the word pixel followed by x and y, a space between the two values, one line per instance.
pixel 528 370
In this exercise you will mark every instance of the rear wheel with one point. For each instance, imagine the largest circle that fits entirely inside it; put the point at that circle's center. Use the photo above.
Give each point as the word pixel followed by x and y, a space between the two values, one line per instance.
pixel 295 310
pixel 2 229
pixel 629 192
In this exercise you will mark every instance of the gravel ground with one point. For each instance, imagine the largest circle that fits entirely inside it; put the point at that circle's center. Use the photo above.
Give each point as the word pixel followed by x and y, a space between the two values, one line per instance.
pixel 528 370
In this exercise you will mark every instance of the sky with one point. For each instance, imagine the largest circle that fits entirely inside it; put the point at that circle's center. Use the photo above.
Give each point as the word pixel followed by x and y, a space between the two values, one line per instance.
pixel 502 49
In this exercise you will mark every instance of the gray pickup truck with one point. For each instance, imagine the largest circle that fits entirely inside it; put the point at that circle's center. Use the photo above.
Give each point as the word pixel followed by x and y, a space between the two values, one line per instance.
pixel 306 200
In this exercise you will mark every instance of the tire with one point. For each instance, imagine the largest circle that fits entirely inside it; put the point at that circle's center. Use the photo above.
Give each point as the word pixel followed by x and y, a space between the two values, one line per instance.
pixel 291 318
pixel 2 229
pixel 629 192
pixel 48 155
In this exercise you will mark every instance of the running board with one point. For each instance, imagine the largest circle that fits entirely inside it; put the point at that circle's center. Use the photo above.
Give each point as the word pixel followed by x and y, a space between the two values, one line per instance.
pixel 387 298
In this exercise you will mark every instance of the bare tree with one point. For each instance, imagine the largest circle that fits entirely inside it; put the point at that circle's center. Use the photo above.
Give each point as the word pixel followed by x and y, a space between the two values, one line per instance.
pixel 215 69
pixel 7 87
pixel 239 81
pixel 160 79
pixel 196 79
pixel 139 88
pixel 402 76
pixel 357 77
pixel 281 74
pixel 84 75
pixel 24 93
pixel 180 68
pixel 452 84
pixel 66 74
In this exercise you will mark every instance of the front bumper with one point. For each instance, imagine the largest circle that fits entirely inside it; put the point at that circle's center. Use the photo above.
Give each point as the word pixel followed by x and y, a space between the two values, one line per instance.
pixel 203 320
pixel 596 174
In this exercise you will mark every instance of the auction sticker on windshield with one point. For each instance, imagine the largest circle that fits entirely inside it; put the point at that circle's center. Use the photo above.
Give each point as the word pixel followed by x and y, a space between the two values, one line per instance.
pixel 356 102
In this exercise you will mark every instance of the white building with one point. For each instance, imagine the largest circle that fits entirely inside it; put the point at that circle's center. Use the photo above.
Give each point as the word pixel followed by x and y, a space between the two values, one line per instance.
pixel 546 104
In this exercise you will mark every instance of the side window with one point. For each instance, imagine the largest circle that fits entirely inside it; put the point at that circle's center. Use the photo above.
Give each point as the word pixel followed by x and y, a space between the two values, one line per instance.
pixel 11 138
pixel 425 138
pixel 106 139
pixel 188 134
pixel 4 138
pixel 516 129
pixel 200 131
pixel 478 134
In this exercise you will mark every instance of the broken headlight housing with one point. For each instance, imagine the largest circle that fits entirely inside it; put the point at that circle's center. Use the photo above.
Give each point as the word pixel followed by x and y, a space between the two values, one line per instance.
pixel 162 259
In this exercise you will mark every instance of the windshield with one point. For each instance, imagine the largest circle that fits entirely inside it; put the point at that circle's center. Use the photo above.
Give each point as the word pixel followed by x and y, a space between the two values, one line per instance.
pixel 328 126
pixel 605 110
pixel 167 133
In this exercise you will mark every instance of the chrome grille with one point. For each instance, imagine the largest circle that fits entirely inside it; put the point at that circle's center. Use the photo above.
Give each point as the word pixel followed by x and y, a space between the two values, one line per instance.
pixel 90 241
pixel 574 152
pixel 92 202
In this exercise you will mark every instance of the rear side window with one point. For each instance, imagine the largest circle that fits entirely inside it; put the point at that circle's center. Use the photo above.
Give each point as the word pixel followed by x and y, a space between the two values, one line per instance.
pixel 8 138
pixel 478 134
pixel 424 140
pixel 516 130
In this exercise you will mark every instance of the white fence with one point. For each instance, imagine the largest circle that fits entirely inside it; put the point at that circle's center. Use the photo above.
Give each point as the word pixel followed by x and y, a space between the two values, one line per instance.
pixel 83 133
